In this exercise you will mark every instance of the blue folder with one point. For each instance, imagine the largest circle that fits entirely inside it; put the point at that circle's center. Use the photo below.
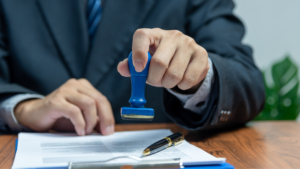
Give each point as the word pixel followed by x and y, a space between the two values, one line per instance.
pixel 218 166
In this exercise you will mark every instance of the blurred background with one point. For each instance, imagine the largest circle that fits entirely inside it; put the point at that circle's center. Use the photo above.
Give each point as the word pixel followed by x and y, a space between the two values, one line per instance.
pixel 273 31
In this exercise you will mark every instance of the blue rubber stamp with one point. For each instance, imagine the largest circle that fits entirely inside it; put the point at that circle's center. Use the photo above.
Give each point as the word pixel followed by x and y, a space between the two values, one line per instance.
pixel 137 111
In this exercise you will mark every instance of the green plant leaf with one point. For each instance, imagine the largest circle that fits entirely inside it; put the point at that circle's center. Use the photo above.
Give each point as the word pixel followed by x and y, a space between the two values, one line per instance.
pixel 281 86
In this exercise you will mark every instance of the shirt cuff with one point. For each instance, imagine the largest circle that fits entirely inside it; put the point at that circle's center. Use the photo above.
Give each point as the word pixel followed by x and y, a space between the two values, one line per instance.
pixel 7 110
pixel 190 101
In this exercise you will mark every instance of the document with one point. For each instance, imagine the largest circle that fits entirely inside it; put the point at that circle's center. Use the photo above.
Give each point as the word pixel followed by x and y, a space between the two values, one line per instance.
pixel 42 150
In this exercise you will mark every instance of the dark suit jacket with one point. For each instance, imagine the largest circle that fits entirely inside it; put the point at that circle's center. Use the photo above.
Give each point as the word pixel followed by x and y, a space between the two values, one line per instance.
pixel 43 43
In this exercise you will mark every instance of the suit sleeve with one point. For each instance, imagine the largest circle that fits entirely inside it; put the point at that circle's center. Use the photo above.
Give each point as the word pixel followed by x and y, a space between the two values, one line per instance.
pixel 8 89
pixel 6 85
pixel 237 94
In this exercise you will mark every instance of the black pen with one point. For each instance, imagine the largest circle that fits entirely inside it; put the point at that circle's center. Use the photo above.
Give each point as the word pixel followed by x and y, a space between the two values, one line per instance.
pixel 166 142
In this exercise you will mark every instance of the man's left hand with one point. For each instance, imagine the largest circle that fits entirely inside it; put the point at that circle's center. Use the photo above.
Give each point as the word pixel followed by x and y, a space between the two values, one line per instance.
pixel 176 59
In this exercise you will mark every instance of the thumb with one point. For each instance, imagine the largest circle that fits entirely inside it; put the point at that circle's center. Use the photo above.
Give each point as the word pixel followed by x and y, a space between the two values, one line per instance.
pixel 140 47
pixel 139 59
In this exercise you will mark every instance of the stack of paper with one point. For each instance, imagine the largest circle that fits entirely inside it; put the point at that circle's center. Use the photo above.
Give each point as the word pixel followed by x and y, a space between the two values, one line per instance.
pixel 36 150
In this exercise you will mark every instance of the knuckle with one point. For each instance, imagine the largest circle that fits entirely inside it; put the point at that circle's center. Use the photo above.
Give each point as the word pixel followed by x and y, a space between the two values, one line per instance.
pixel 102 98
pixel 159 62
pixel 152 81
pixel 190 80
pixel 62 91
pixel 157 29
pixel 173 75
pixel 141 32
pixel 83 80
pixel 190 42
pixel 73 111
pixel 138 53
pixel 89 102
pixel 72 81
pixel 202 51
pixel 176 33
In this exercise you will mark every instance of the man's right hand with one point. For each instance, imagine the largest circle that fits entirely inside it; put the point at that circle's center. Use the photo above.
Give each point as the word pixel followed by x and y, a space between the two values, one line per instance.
pixel 76 102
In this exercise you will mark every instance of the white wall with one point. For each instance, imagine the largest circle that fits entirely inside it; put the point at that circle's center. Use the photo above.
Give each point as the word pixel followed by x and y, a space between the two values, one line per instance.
pixel 272 29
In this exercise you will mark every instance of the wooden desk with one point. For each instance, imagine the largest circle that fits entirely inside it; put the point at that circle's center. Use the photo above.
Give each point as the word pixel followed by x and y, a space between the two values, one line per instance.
pixel 259 145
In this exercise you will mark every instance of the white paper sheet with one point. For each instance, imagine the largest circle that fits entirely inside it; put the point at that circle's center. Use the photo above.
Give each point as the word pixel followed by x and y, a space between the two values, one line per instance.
pixel 38 150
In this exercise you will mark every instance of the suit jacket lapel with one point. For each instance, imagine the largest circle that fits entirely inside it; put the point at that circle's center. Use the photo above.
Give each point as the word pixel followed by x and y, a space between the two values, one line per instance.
pixel 120 19
pixel 67 25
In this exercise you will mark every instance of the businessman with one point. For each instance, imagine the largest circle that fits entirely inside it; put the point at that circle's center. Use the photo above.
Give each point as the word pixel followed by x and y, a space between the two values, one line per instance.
pixel 63 64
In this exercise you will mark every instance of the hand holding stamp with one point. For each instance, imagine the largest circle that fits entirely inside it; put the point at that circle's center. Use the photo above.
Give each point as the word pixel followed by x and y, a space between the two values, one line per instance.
pixel 137 111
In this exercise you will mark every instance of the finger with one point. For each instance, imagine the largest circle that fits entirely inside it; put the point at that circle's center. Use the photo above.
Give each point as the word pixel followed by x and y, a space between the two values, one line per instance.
pixel 88 107
pixel 142 40
pixel 106 118
pixel 104 109
pixel 160 61
pixel 196 71
pixel 123 68
pixel 73 113
pixel 177 68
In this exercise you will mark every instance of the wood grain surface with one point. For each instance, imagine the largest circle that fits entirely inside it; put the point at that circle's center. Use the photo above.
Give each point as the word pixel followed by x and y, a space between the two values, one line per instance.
pixel 257 145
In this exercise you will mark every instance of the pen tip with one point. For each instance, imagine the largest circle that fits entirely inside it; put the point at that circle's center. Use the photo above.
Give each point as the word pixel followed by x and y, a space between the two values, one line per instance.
pixel 146 152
